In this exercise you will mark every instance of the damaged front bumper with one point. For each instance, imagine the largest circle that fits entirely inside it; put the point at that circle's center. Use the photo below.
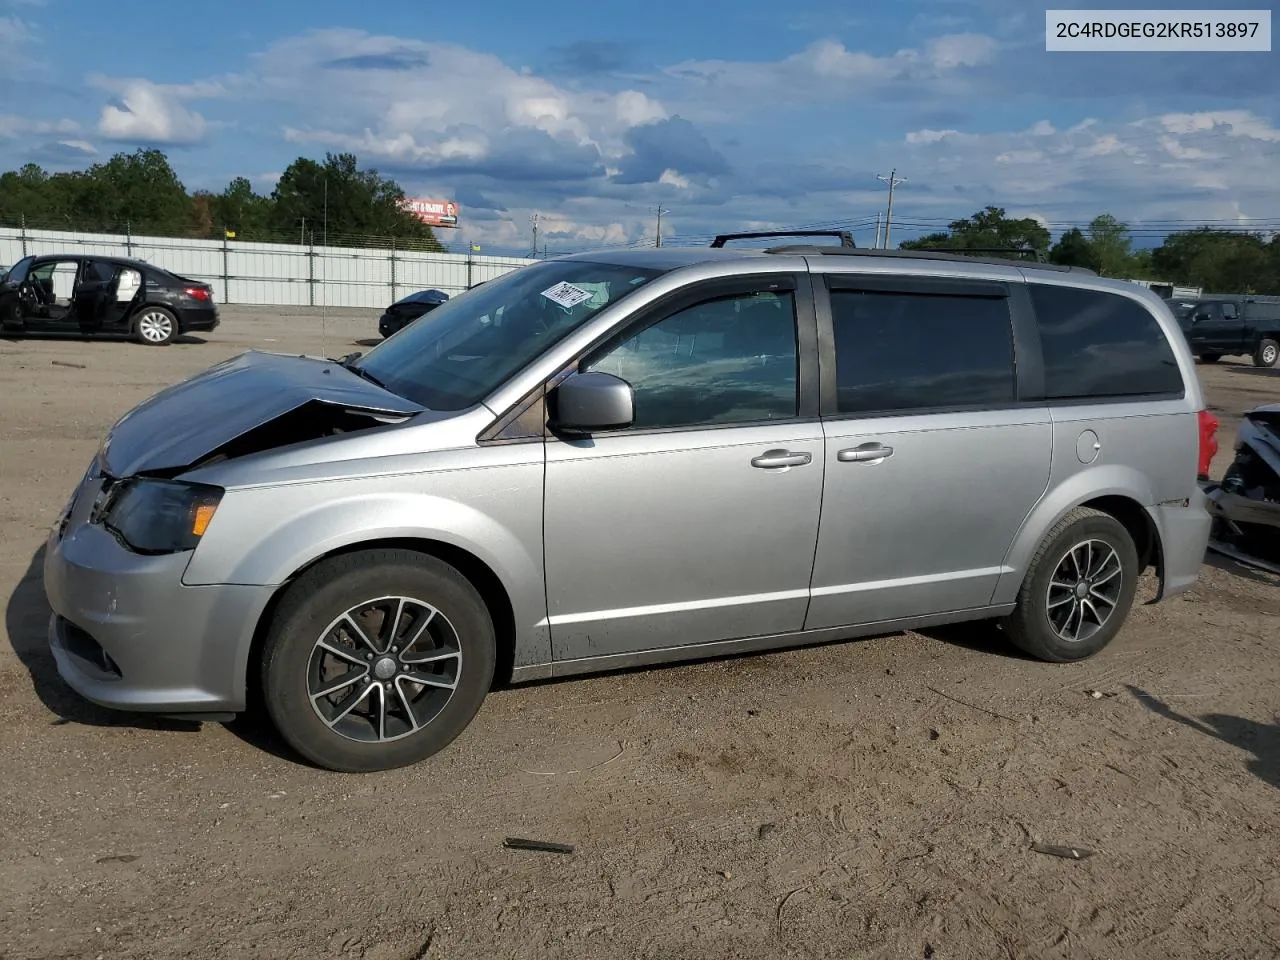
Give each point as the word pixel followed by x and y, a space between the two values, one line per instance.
pixel 126 633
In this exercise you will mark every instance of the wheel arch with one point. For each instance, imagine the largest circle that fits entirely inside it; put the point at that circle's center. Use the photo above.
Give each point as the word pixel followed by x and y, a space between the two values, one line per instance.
pixel 488 584
pixel 1120 492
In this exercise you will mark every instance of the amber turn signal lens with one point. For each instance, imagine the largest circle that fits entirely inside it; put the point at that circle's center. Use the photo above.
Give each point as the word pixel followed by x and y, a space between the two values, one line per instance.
pixel 200 523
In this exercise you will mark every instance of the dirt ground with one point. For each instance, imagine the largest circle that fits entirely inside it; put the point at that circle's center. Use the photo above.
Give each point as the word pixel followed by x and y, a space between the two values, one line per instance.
pixel 870 799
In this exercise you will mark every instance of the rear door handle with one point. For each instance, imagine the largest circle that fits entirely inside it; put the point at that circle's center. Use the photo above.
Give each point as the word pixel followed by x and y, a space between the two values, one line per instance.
pixel 774 459
pixel 864 453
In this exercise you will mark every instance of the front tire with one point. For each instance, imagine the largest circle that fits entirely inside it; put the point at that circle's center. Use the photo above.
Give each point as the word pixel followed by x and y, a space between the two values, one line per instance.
pixel 155 326
pixel 1267 353
pixel 377 660
pixel 1079 588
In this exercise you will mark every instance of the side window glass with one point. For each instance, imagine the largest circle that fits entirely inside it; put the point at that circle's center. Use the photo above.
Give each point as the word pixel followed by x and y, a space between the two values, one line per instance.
pixel 908 351
pixel 95 271
pixel 1099 344
pixel 18 272
pixel 1229 311
pixel 727 360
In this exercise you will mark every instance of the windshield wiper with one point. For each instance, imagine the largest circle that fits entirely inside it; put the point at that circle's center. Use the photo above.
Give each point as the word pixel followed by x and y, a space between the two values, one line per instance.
pixel 349 363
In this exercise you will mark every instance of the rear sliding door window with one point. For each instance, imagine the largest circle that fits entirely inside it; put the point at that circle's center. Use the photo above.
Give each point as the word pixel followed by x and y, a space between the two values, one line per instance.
pixel 1100 345
pixel 901 352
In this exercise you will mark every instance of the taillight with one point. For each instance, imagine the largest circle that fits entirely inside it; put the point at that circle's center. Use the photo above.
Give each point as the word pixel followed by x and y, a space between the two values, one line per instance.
pixel 198 293
pixel 1208 441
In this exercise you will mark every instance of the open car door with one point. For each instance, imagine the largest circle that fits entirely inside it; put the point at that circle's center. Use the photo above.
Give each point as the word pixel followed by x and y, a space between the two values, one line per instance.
pixel 104 295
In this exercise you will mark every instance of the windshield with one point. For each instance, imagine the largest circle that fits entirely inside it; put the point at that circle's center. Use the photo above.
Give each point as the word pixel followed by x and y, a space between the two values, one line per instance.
pixel 470 345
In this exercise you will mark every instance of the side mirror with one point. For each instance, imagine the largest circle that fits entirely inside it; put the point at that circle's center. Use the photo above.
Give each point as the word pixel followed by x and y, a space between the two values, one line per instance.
pixel 587 402
pixel 1199 317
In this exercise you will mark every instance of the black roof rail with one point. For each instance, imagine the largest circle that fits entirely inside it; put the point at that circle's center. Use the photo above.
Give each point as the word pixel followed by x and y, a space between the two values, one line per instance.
pixel 846 238
pixel 950 257
pixel 1040 257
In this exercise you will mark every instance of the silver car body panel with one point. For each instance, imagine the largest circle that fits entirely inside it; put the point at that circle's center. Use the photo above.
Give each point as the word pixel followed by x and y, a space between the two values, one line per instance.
pixel 624 549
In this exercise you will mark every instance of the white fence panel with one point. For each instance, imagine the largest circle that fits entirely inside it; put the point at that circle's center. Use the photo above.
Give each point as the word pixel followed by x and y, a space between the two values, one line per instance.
pixel 276 274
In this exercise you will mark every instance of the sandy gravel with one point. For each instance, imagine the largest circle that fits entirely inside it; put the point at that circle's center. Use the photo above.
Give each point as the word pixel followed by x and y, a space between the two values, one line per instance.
pixel 871 799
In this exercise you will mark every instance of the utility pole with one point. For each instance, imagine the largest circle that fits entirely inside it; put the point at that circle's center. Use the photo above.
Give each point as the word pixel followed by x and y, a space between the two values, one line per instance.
pixel 534 220
pixel 657 241
pixel 302 233
pixel 877 246
pixel 892 180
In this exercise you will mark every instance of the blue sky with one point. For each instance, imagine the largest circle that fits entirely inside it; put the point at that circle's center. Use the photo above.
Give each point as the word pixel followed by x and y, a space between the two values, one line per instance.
pixel 731 115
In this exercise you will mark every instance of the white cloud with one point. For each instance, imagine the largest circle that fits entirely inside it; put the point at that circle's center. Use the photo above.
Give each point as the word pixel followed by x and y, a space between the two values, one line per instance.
pixel 672 178
pixel 12 126
pixel 152 112
pixel 848 73
pixel 1176 166
pixel 1238 123
pixel 427 102
pixel 16 40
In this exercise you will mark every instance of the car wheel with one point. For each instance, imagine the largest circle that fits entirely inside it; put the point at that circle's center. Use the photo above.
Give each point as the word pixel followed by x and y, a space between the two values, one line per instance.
pixel 1209 357
pixel 12 318
pixel 1266 354
pixel 1079 588
pixel 155 326
pixel 377 660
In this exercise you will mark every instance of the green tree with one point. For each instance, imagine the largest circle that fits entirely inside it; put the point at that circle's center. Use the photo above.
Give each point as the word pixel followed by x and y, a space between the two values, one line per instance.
pixel 1074 249
pixel 1220 261
pixel 1112 245
pixel 136 190
pixel 240 209
pixel 990 229
pixel 354 204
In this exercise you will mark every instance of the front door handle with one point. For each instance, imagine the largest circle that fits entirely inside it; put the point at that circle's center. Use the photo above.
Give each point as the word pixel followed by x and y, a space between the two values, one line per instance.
pixel 774 459
pixel 864 453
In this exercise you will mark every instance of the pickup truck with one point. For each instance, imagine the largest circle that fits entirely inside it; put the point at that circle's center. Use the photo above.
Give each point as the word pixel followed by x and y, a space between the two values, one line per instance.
pixel 1232 325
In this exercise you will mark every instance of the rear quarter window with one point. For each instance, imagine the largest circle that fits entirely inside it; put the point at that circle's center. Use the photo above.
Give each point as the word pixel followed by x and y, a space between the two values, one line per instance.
pixel 1099 345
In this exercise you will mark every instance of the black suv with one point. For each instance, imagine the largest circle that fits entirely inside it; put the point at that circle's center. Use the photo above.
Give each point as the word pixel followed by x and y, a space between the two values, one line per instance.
pixel 98 294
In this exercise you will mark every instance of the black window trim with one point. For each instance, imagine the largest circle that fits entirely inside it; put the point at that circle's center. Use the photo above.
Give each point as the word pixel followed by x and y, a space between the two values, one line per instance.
pixel 1028 368
pixel 799 284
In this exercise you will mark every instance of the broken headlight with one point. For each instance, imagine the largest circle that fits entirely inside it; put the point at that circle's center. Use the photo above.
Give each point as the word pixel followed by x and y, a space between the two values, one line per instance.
pixel 160 516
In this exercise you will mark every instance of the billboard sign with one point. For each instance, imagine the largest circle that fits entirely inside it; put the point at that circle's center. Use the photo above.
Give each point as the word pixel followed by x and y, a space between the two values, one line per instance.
pixel 434 213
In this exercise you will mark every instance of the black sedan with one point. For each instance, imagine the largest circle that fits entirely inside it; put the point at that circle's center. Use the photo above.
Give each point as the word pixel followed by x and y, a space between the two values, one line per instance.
pixel 97 294
pixel 407 309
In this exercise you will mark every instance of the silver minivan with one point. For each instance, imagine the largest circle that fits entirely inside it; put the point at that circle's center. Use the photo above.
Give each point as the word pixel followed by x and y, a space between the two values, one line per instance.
pixel 622 458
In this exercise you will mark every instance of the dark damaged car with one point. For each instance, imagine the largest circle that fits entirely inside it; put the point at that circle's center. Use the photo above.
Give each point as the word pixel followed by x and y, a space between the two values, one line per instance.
pixel 92 294
pixel 408 309
pixel 1245 506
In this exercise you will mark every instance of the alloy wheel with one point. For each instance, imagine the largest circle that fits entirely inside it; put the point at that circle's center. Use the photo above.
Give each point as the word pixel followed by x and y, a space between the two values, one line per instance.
pixel 155 327
pixel 384 669
pixel 1084 590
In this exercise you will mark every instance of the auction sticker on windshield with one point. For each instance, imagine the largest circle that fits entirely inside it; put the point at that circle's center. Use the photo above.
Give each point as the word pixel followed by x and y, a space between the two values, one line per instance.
pixel 566 295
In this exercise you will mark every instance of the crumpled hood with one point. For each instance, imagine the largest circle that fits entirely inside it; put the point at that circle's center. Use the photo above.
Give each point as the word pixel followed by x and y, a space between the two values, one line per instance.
pixel 187 422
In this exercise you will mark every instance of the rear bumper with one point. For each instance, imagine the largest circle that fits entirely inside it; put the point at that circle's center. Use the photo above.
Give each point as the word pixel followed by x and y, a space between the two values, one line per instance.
pixel 198 321
pixel 127 634
pixel 1184 538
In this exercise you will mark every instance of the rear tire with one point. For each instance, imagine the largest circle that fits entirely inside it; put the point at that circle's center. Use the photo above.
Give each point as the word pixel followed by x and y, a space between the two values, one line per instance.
pixel 155 326
pixel 1209 357
pixel 377 717
pixel 1071 605
pixel 1267 353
